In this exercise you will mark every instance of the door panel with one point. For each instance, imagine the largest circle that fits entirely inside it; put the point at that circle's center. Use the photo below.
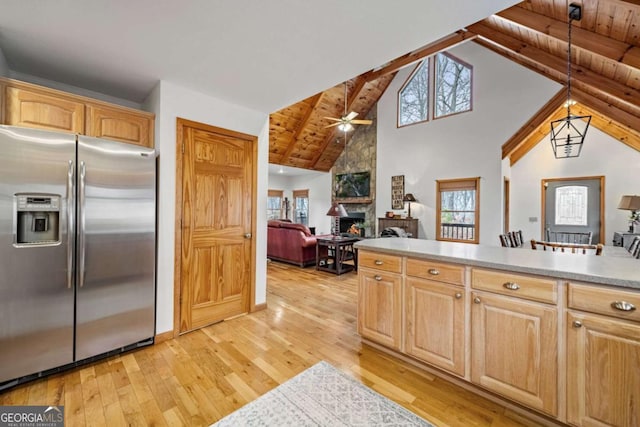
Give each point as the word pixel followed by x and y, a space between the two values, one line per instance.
pixel 216 219
pixel 36 299
pixel 594 214
pixel 116 296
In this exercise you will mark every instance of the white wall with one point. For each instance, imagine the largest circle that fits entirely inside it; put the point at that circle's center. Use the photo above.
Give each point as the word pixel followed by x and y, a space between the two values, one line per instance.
pixel 72 89
pixel 4 67
pixel 319 186
pixel 170 101
pixel 601 155
pixel 505 96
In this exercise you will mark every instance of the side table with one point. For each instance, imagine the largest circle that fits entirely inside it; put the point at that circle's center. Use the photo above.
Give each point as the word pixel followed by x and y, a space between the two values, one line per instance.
pixel 336 254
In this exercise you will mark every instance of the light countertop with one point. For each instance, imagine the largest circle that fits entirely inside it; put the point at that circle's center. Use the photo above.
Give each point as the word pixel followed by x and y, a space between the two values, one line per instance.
pixel 614 267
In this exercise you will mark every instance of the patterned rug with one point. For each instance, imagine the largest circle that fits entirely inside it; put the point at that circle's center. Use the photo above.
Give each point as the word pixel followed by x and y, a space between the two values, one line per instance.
pixel 322 396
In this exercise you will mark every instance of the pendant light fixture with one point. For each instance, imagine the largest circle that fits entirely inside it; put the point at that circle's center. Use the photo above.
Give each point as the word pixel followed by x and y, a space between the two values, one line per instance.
pixel 567 135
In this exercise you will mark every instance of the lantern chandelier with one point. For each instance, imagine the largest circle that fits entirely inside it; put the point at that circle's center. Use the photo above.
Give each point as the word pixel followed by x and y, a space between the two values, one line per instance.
pixel 567 134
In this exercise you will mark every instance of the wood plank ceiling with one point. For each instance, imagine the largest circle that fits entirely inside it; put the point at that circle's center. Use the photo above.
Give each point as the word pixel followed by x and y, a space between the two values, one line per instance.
pixel 605 78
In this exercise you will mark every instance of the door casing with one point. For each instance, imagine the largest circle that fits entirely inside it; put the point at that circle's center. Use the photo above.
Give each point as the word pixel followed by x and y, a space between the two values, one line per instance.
pixel 543 185
pixel 177 281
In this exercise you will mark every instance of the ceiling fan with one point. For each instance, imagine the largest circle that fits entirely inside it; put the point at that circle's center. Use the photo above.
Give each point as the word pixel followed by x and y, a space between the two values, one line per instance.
pixel 346 122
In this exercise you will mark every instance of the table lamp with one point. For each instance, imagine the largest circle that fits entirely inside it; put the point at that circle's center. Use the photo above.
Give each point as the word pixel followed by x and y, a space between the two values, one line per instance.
pixel 630 203
pixel 336 211
pixel 409 198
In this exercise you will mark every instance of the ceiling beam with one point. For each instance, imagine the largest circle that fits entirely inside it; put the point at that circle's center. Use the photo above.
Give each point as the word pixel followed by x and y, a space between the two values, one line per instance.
pixel 444 43
pixel 612 121
pixel 606 47
pixel 607 90
pixel 315 101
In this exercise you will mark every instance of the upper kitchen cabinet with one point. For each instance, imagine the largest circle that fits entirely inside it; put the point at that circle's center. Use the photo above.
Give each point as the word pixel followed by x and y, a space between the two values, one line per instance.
pixel 36 109
pixel 33 106
pixel 134 127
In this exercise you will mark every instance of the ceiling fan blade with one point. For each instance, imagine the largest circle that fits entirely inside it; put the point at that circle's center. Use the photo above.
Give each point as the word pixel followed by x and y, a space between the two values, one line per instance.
pixel 333 118
pixel 352 115
pixel 333 124
pixel 361 122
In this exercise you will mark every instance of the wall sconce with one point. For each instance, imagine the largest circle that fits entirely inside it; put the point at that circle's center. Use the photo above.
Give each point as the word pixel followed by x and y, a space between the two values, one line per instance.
pixel 409 198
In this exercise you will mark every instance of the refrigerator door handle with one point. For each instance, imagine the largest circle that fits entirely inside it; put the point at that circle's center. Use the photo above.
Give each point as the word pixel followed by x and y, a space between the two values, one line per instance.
pixel 70 223
pixel 81 224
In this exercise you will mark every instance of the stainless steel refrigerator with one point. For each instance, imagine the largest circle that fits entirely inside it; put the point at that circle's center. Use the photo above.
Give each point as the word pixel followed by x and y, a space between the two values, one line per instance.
pixel 77 250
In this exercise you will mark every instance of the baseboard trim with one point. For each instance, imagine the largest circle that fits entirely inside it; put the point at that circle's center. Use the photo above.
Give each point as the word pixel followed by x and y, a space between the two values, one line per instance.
pixel 259 307
pixel 165 336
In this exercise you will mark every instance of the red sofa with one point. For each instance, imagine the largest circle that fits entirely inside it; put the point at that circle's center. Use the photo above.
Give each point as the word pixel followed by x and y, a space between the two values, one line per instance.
pixel 292 243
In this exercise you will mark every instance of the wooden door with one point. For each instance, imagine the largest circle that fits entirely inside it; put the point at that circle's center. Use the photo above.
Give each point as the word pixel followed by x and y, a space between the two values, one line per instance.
pixel 514 349
pixel 379 306
pixel 574 205
pixel 216 214
pixel 603 371
pixel 435 317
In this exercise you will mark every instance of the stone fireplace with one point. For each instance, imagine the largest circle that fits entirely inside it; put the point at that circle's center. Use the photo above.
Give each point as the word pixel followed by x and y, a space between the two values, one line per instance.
pixel 347 221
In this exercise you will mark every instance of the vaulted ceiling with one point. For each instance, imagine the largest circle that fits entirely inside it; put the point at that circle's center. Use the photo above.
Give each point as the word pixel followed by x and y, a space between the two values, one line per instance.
pixel 605 78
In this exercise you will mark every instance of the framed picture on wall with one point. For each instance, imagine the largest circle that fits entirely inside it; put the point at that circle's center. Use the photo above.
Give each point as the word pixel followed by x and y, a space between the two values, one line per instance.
pixel 397 192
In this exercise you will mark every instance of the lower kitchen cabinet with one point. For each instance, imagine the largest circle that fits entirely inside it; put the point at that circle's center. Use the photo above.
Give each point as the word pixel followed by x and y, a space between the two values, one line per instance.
pixel 514 349
pixel 435 319
pixel 603 371
pixel 379 306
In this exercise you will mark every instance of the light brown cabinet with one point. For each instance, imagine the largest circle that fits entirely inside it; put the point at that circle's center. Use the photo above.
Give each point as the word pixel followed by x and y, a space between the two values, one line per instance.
pixel 35 109
pixel 435 321
pixel 379 301
pixel 567 350
pixel 514 349
pixel 114 123
pixel 28 105
pixel 603 357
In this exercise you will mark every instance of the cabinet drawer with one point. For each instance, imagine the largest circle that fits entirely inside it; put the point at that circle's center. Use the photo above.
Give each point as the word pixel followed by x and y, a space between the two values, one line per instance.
pixel 609 301
pixel 391 263
pixel 527 287
pixel 426 269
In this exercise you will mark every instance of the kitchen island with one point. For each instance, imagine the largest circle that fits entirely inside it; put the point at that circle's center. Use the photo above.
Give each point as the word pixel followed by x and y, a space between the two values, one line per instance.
pixel 556 333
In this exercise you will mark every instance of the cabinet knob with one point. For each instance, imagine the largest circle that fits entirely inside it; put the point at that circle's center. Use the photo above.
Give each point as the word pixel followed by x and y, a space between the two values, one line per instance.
pixel 577 324
pixel 476 300
pixel 378 278
pixel 458 295
pixel 623 306
pixel 378 262
pixel 511 286
pixel 433 271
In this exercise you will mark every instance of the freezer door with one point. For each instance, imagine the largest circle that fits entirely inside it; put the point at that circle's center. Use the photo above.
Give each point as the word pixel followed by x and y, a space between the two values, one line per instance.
pixel 36 284
pixel 115 297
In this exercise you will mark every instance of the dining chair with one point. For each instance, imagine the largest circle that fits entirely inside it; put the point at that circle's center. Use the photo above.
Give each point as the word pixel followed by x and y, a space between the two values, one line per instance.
pixel 635 244
pixel 512 239
pixel 574 248
pixel 584 238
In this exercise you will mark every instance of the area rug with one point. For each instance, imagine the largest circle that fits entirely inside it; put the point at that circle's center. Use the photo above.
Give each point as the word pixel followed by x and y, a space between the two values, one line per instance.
pixel 322 396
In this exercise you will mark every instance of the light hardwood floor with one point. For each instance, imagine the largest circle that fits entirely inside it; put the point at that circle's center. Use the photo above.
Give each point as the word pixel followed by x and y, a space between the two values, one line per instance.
pixel 200 377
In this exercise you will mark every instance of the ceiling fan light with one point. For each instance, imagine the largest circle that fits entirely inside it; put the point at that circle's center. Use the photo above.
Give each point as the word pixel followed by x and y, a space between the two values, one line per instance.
pixel 345 127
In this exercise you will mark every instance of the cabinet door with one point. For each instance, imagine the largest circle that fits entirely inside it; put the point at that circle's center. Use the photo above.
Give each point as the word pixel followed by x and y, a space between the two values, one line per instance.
pixel 33 109
pixel 515 349
pixel 120 124
pixel 603 371
pixel 379 306
pixel 435 315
